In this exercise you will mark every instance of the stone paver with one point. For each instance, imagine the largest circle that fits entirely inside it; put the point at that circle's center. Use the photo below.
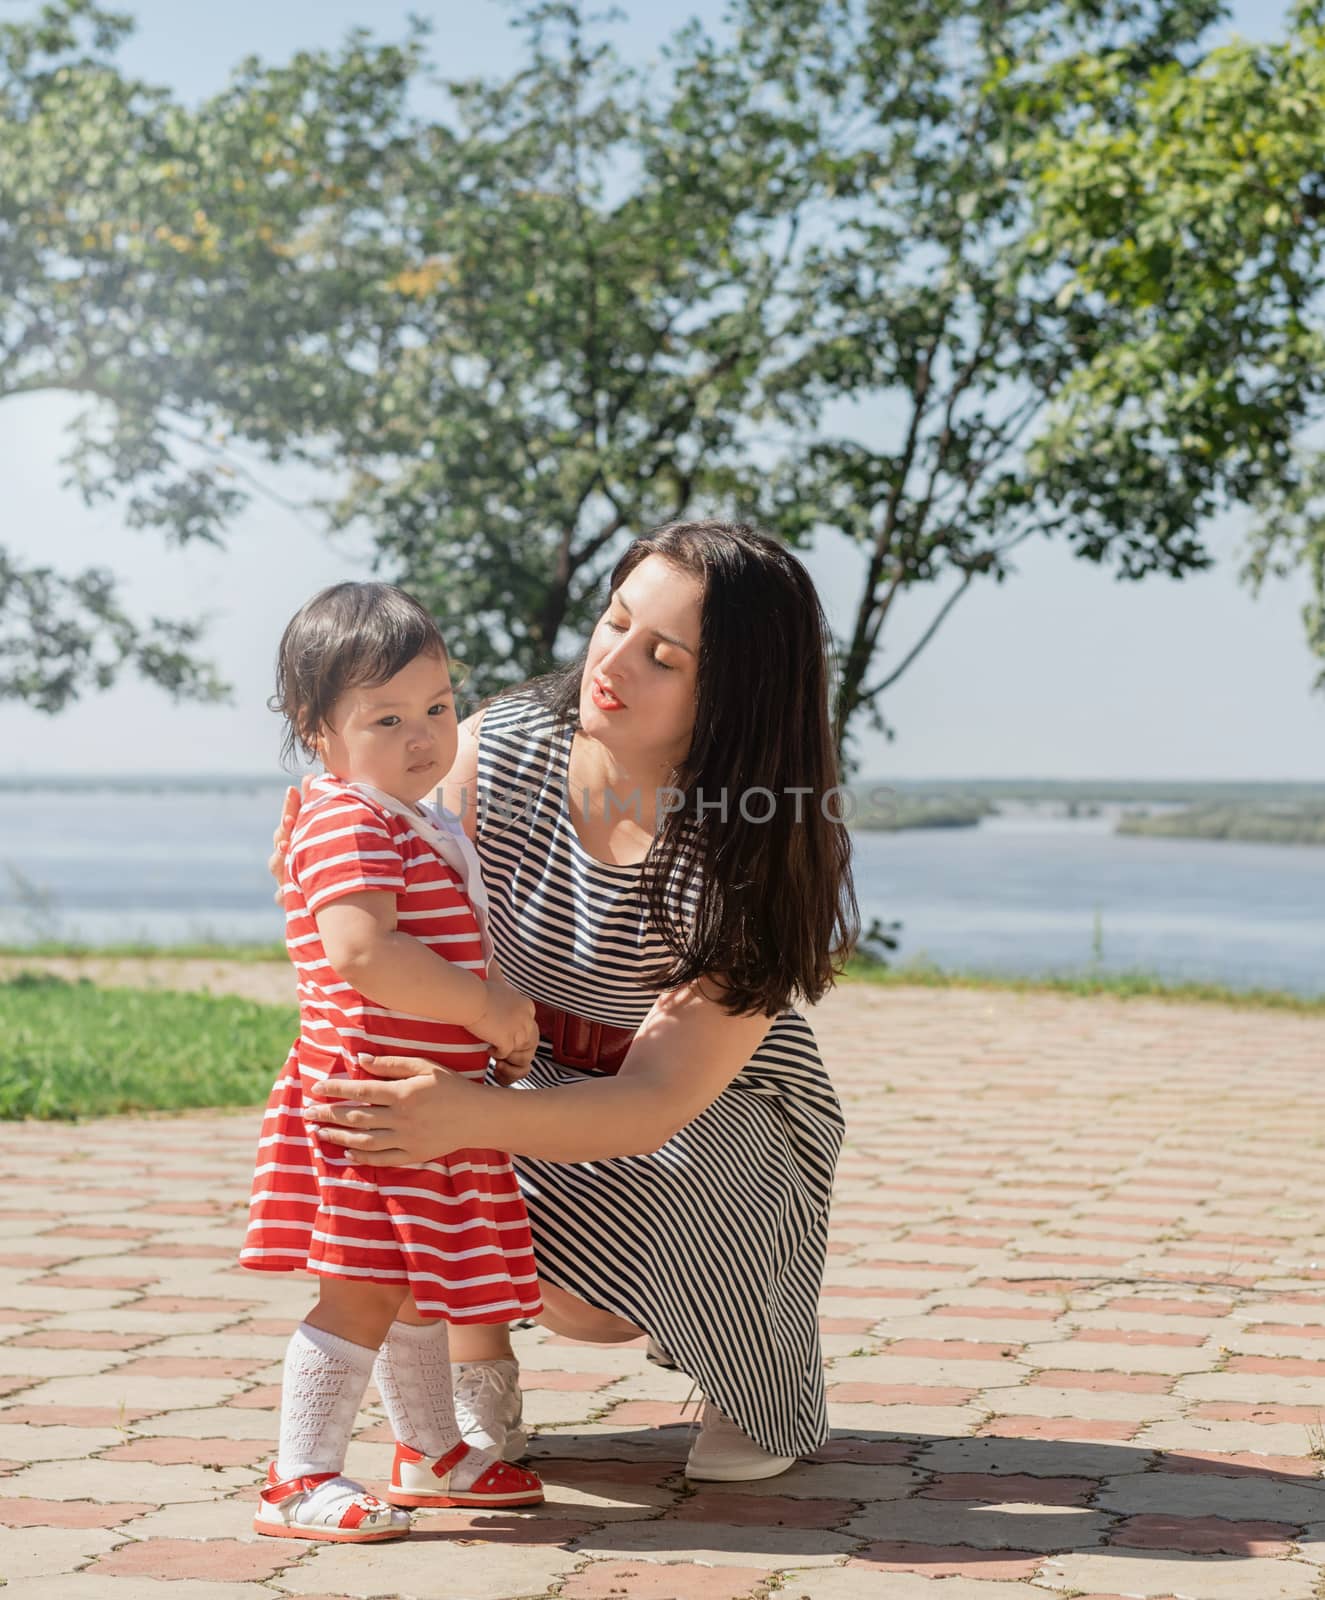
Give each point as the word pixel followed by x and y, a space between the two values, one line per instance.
pixel 644 1580
pixel 1074 1321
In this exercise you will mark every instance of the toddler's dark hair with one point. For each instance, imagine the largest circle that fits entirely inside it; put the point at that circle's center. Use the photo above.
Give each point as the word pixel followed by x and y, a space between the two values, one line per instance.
pixel 349 636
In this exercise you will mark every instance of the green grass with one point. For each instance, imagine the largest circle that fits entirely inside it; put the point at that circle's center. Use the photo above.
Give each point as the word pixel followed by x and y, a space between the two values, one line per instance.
pixel 71 1049
pixel 74 1050
pixel 1122 985
pixel 144 950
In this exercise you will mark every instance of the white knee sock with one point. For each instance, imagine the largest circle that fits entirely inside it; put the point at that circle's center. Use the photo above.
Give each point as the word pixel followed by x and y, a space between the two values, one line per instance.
pixel 325 1378
pixel 413 1372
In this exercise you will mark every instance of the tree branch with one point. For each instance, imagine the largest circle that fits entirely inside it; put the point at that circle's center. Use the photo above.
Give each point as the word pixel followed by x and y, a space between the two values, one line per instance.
pixel 604 536
pixel 866 695
pixel 861 647
pixel 299 508
pixel 961 381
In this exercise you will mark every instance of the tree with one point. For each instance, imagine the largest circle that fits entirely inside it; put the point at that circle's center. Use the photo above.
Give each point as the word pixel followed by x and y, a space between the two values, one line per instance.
pixel 599 280
pixel 587 299
pixel 947 309
pixel 518 333
pixel 194 278
pixel 1194 204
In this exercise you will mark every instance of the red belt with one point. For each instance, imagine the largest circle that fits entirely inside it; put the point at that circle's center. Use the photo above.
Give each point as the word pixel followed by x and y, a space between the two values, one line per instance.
pixel 576 1042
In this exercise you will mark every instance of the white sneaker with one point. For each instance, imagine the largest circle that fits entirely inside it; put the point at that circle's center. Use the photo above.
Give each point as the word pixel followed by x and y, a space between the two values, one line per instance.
pixel 655 1353
pixel 723 1454
pixel 489 1406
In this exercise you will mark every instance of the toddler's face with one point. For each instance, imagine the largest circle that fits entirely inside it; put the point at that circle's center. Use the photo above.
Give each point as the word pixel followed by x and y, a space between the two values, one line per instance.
pixel 400 735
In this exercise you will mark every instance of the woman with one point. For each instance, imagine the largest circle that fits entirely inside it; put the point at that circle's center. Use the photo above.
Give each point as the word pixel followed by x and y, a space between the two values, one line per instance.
pixel 667 871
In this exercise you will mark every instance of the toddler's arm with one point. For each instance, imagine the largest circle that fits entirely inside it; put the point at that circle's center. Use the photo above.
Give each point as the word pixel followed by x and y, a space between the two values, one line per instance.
pixel 515 1064
pixel 364 946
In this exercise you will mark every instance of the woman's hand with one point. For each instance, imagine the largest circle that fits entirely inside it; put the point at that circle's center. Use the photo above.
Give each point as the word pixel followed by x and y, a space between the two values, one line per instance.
pixel 419 1115
pixel 280 840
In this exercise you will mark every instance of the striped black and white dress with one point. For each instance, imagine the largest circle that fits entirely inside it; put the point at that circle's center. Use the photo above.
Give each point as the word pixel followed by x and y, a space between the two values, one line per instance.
pixel 715 1243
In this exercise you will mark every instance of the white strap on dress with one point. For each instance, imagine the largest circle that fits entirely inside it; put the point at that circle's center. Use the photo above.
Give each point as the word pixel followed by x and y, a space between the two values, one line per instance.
pixel 452 844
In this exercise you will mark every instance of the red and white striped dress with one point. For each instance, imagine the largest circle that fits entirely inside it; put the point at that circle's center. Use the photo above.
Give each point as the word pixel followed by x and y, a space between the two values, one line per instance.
pixel 455 1230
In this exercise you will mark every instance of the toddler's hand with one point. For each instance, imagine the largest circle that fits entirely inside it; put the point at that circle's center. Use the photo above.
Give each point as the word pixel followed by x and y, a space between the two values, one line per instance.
pixel 510 1069
pixel 507 1020
pixel 515 1064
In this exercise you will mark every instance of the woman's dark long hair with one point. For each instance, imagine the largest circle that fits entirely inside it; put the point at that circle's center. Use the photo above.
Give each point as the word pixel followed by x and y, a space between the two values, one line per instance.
pixel 767 908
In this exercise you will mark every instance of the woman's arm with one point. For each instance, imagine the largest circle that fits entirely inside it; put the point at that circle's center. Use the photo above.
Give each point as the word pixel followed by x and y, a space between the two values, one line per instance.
pixel 685 1054
pixel 457 793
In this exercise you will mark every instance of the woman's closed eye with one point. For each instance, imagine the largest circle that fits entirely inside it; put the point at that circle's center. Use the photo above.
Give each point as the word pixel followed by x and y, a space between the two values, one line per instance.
pixel 622 627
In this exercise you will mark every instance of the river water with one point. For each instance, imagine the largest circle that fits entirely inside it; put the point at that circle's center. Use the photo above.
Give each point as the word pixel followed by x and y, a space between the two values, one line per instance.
pixel 1027 892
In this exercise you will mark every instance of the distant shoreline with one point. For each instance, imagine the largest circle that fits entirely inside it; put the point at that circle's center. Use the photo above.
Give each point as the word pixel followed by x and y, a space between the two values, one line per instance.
pixel 1239 824
pixel 1100 790
pixel 144 782
pixel 1250 812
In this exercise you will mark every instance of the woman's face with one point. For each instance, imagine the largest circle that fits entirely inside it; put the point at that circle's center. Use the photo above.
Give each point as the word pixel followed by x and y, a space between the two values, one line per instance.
pixel 637 694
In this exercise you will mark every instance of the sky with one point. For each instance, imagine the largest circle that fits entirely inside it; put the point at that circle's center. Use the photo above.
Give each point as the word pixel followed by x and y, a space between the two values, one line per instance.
pixel 1060 672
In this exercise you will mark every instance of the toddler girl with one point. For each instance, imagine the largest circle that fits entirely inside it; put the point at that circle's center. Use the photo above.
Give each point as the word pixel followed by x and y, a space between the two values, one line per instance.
pixel 386 927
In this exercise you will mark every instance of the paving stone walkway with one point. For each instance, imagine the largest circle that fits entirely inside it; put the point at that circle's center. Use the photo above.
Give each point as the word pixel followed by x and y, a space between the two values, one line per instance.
pixel 1074 1318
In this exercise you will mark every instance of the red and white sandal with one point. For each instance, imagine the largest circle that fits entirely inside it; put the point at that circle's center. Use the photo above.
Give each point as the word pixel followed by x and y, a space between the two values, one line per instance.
pixel 419 1480
pixel 326 1506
